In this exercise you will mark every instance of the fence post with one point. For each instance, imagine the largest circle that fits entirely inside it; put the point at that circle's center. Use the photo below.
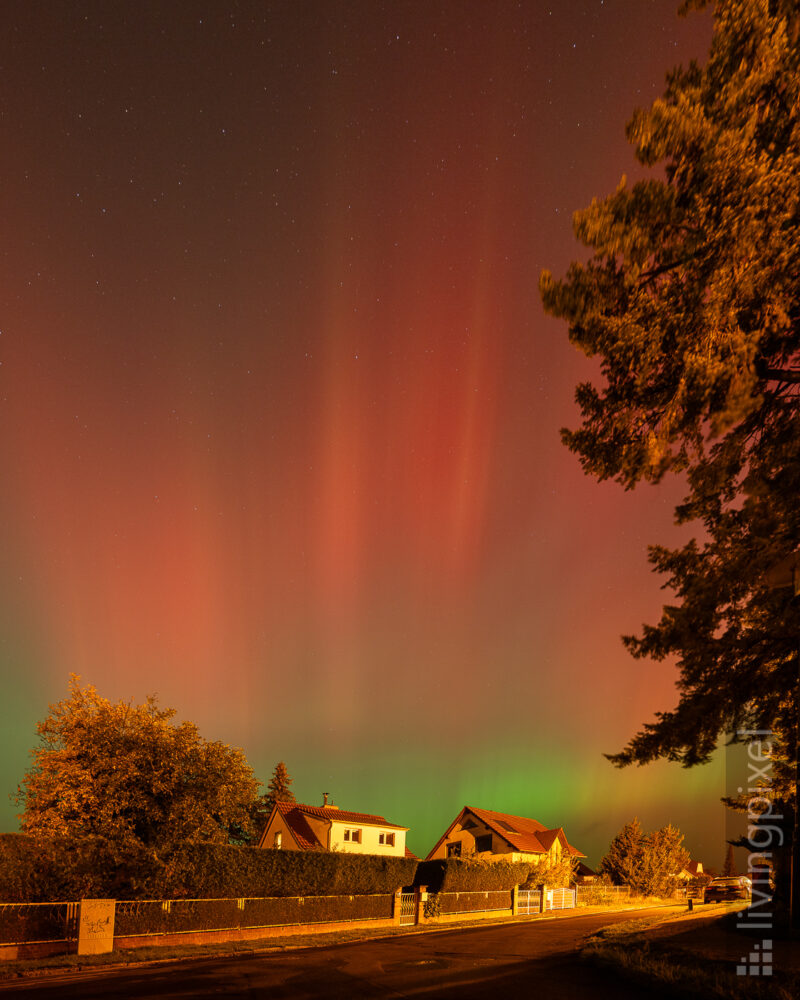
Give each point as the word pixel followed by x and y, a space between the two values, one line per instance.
pixel 96 926
pixel 422 898
pixel 397 906
pixel 515 901
pixel 542 898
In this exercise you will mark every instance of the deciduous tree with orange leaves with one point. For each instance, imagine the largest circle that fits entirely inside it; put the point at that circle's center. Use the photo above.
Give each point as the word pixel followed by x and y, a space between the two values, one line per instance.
pixel 129 777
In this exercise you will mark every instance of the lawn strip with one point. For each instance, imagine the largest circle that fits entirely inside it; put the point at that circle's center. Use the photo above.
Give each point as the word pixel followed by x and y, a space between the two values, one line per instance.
pixel 641 951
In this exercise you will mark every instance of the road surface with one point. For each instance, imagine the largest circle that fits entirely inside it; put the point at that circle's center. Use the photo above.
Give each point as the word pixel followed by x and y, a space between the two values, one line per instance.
pixel 525 959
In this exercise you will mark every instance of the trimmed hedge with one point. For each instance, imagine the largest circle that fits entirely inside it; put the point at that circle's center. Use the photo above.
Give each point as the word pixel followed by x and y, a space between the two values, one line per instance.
pixel 34 871
pixel 211 871
pixel 460 875
pixel 40 871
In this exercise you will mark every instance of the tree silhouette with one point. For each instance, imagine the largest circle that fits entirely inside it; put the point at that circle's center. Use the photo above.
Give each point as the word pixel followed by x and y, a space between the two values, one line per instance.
pixel 691 303
pixel 729 868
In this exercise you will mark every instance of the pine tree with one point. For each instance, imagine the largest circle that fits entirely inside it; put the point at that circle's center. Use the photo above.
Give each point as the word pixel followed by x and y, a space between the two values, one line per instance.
pixel 278 788
pixel 691 302
pixel 729 867
pixel 664 858
pixel 650 863
pixel 623 862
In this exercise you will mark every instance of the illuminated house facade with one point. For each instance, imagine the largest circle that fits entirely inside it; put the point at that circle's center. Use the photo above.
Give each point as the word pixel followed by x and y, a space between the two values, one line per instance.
pixel 481 833
pixel 293 826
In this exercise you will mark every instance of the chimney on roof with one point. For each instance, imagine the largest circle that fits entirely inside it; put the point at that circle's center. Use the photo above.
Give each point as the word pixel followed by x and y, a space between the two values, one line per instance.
pixel 324 800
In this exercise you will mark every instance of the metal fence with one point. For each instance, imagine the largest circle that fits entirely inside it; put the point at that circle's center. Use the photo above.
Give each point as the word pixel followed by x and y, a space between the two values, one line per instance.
pixel 601 895
pixel 176 916
pixel 695 889
pixel 37 923
pixel 529 901
pixel 560 899
pixel 408 909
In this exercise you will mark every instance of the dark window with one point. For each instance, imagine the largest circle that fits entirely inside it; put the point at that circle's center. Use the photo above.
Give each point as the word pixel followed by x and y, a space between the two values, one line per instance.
pixel 483 843
pixel 454 850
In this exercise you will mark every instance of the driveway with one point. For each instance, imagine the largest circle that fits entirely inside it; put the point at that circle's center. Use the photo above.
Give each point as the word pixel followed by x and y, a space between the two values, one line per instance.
pixel 524 959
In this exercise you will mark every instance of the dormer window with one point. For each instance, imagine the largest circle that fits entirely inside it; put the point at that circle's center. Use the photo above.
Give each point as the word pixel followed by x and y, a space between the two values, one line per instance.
pixel 352 836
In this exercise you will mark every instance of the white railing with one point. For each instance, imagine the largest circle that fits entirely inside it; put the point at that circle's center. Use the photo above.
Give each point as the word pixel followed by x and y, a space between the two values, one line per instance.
pixel 529 901
pixel 560 899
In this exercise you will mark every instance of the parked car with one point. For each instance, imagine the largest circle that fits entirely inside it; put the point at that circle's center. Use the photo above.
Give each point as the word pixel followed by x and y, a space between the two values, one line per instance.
pixel 720 889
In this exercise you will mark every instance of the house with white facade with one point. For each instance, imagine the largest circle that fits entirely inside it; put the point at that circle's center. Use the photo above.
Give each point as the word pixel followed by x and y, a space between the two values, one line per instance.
pixel 293 826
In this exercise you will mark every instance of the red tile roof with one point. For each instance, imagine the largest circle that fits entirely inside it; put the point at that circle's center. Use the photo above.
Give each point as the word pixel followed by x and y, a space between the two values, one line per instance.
pixel 306 839
pixel 343 815
pixel 526 836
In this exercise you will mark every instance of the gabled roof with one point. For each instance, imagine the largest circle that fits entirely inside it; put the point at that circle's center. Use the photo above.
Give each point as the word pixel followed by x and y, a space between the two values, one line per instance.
pixel 344 816
pixel 694 868
pixel 528 836
pixel 295 816
pixel 305 837
pixel 523 835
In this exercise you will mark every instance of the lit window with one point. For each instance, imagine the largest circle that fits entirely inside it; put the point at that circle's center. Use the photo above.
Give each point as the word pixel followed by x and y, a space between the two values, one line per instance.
pixel 386 838
pixel 278 840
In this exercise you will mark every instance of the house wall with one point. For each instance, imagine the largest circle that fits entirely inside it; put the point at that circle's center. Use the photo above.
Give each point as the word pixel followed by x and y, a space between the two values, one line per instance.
pixel 278 824
pixel 321 828
pixel 466 838
pixel 369 840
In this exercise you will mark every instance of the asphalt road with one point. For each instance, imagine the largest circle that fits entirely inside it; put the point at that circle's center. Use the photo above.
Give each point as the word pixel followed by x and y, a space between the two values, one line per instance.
pixel 526 959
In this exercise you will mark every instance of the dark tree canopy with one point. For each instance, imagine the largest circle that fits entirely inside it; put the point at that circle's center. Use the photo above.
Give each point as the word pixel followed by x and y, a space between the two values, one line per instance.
pixel 690 299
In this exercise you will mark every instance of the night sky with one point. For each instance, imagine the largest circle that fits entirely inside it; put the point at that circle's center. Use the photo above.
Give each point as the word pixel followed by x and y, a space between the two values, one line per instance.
pixel 279 405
